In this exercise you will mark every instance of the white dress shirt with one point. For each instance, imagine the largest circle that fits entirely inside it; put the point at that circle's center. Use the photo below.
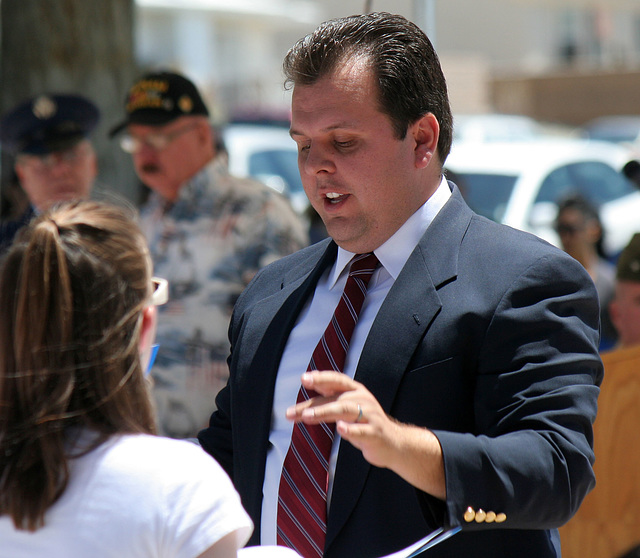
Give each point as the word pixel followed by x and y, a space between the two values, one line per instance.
pixel 310 326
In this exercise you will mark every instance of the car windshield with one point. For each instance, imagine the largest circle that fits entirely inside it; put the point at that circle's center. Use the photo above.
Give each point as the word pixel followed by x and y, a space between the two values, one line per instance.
pixel 486 194
pixel 615 135
pixel 277 162
pixel 596 181
pixel 617 130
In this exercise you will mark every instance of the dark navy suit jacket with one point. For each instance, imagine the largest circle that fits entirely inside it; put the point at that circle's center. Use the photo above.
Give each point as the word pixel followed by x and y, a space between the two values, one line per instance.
pixel 489 338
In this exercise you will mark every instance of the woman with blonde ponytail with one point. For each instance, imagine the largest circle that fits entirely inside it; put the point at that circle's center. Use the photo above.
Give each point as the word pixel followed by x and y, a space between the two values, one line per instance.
pixel 81 472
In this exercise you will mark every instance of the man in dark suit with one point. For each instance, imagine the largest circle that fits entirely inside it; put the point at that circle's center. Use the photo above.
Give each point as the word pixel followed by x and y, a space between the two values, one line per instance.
pixel 470 383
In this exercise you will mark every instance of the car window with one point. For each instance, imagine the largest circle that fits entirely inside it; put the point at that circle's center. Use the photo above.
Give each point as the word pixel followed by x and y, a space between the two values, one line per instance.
pixel 596 181
pixel 486 194
pixel 617 130
pixel 614 135
pixel 277 162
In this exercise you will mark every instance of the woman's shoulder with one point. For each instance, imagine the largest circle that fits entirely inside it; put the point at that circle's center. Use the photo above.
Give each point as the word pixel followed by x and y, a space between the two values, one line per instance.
pixel 142 457
pixel 149 449
pixel 157 470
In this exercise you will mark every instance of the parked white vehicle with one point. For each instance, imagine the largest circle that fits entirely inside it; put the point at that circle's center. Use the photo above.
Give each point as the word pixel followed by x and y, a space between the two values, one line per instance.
pixel 494 127
pixel 266 153
pixel 519 183
pixel 621 129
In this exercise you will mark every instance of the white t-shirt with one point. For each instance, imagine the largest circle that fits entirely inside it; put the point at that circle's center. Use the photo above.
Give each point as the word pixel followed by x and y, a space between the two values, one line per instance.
pixel 136 496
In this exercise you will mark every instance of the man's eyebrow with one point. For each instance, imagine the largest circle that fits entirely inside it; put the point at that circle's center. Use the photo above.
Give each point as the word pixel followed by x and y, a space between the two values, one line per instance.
pixel 337 126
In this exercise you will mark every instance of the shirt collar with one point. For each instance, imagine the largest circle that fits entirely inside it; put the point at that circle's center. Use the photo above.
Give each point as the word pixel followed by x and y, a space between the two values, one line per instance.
pixel 395 252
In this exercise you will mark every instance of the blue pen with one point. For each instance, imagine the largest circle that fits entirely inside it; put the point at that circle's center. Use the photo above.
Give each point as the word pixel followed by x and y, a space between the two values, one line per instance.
pixel 152 358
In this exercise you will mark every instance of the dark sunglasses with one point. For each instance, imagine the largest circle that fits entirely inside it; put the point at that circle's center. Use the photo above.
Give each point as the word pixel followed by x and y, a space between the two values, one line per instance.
pixel 568 229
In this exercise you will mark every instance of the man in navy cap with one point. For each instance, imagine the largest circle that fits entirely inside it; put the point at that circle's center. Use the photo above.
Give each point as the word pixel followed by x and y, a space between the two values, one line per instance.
pixel 54 159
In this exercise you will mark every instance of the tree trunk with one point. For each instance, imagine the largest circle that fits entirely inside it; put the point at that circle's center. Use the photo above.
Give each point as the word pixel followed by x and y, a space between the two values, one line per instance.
pixel 72 46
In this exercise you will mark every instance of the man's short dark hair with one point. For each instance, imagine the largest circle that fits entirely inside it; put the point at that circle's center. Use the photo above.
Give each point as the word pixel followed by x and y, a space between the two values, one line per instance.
pixel 410 79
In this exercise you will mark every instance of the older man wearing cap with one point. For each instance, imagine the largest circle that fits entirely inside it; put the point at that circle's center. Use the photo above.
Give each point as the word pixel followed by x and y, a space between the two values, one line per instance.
pixel 209 233
pixel 625 306
pixel 54 159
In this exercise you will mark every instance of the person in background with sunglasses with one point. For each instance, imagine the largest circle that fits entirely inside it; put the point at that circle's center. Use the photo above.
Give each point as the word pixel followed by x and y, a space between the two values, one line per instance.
pixel 81 472
pixel 208 232
pixel 581 234
pixel 54 158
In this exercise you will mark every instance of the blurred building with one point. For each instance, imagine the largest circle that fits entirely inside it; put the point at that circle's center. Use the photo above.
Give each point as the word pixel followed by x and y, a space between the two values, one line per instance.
pixel 499 55
pixel 232 49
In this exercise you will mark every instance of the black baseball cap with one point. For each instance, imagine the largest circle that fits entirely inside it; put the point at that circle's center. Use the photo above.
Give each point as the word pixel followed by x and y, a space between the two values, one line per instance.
pixel 158 98
pixel 47 123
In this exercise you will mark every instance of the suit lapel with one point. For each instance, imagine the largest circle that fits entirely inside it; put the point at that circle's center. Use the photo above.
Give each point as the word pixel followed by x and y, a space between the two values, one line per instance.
pixel 404 318
pixel 252 413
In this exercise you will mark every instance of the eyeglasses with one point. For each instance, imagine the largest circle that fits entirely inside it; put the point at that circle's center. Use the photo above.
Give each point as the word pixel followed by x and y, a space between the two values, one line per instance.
pixel 44 163
pixel 160 294
pixel 567 229
pixel 157 142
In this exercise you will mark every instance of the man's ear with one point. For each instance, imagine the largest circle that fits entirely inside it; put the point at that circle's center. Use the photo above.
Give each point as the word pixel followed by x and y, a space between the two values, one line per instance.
pixel 19 172
pixel 614 312
pixel 425 132
pixel 94 163
pixel 205 133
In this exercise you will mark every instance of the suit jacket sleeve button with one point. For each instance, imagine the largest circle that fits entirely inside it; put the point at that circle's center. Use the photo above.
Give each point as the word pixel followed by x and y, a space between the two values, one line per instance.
pixel 469 515
pixel 501 517
pixel 491 517
pixel 480 516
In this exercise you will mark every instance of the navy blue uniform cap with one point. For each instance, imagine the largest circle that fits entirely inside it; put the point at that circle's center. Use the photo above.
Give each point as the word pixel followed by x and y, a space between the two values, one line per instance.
pixel 47 123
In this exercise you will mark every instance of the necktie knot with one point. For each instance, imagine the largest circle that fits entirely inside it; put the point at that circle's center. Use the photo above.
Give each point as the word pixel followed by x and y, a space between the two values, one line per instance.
pixel 363 264
pixel 360 272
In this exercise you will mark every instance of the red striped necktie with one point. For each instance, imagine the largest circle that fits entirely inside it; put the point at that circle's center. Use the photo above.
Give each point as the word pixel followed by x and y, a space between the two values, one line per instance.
pixel 302 497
